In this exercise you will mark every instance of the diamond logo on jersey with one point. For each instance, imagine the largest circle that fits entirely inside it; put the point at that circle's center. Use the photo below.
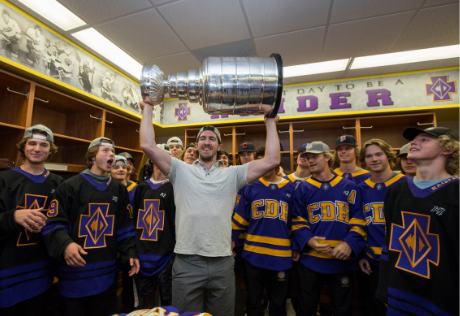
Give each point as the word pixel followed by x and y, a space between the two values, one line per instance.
pixel 326 186
pixel 96 225
pixel 417 247
pixel 182 112
pixel 378 187
pixel 441 88
pixel 150 220
pixel 33 202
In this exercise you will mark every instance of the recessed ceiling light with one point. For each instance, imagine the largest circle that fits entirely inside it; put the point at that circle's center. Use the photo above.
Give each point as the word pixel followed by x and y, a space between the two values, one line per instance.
pixel 109 50
pixel 55 13
pixel 408 57
pixel 315 68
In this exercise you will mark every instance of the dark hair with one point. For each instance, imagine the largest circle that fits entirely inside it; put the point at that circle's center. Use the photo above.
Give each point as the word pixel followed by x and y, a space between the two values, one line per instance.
pixel 261 152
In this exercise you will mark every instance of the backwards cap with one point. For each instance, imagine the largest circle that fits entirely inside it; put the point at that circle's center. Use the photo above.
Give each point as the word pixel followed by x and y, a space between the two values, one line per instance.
pixel 32 131
pixel 209 128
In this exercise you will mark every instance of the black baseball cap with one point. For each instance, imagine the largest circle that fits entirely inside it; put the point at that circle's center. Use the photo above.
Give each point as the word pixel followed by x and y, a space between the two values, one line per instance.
pixel 346 140
pixel 411 132
pixel 248 146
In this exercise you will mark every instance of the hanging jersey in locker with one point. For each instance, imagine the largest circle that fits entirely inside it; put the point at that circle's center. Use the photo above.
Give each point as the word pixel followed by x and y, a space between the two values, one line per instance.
pixel 329 209
pixel 372 196
pixel 419 265
pixel 264 212
pixel 96 217
pixel 26 270
pixel 155 215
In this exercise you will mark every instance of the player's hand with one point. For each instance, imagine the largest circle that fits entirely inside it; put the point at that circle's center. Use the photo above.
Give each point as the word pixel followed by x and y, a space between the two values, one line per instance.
pixel 146 103
pixel 270 119
pixel 135 266
pixel 342 251
pixel 72 255
pixel 365 266
pixel 321 248
pixel 295 255
pixel 32 220
pixel 233 247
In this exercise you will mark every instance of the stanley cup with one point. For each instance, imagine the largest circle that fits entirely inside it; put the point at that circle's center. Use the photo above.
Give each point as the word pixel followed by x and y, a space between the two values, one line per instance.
pixel 223 85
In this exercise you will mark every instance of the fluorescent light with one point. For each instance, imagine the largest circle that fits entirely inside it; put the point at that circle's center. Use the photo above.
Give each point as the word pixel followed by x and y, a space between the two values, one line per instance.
pixel 316 68
pixel 408 57
pixel 109 50
pixel 55 12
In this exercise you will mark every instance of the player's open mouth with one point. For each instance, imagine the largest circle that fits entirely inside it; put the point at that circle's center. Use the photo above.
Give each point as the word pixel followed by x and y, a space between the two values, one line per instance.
pixel 109 163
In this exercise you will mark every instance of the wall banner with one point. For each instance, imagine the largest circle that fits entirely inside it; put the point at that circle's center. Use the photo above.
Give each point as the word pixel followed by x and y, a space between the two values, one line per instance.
pixel 25 42
pixel 398 91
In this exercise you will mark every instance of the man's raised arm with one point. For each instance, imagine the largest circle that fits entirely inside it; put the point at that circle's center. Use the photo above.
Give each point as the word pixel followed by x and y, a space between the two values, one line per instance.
pixel 147 139
pixel 271 160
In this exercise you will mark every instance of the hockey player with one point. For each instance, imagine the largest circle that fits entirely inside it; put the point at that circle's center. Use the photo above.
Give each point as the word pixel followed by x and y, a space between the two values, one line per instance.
pixel 379 159
pixel 346 155
pixel 35 45
pixel 131 169
pixel 190 154
pixel 302 168
pixel 175 146
pixel 246 153
pixel 88 221
pixel 26 270
pixel 406 166
pixel 419 263
pixel 328 229
pixel 223 156
pixel 155 216
pixel 10 35
pixel 265 213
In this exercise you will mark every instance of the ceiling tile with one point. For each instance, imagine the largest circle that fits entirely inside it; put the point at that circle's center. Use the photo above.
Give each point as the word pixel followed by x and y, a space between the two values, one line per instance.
pixel 348 10
pixel 267 17
pixel 175 63
pixel 102 10
pixel 313 78
pixel 375 71
pixel 430 3
pixel 451 62
pixel 364 37
pixel 133 34
pixel 205 23
pixel 432 27
pixel 295 48
pixel 238 49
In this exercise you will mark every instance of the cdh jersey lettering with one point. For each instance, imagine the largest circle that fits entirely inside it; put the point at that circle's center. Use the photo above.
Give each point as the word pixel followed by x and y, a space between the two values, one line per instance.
pixel 264 212
pixel 328 209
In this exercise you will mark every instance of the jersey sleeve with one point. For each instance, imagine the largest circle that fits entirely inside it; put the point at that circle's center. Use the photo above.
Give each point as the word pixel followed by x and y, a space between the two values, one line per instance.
pixel 240 220
pixel 8 225
pixel 382 288
pixel 301 231
pixel 57 229
pixel 125 230
pixel 356 237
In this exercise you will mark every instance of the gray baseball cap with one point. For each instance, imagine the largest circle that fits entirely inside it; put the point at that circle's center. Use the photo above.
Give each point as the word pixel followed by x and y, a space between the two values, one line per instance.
pixel 175 140
pixel 317 148
pixel 41 129
pixel 117 158
pixel 101 141
pixel 404 150
pixel 209 128
pixel 127 155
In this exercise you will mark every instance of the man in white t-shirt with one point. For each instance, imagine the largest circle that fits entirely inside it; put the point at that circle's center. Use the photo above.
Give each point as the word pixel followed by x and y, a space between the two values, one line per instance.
pixel 203 276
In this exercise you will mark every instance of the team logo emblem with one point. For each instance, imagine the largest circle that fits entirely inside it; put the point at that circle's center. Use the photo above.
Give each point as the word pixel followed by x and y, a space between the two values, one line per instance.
pixel 343 138
pixel 33 202
pixel 441 88
pixel 273 187
pixel 182 112
pixel 417 247
pixel 378 186
pixel 326 186
pixel 309 146
pixel 438 210
pixel 281 275
pixel 96 225
pixel 346 175
pixel 345 281
pixel 150 220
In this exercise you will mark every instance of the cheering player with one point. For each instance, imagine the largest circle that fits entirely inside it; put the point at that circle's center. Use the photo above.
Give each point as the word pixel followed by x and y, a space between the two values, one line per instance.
pixel 26 270
pixel 419 263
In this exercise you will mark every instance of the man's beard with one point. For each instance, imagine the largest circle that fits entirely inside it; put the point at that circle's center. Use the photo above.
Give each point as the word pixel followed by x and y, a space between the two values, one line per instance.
pixel 206 159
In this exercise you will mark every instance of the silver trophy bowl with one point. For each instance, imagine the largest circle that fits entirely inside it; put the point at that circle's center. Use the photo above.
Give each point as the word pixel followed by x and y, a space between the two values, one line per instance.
pixel 222 85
